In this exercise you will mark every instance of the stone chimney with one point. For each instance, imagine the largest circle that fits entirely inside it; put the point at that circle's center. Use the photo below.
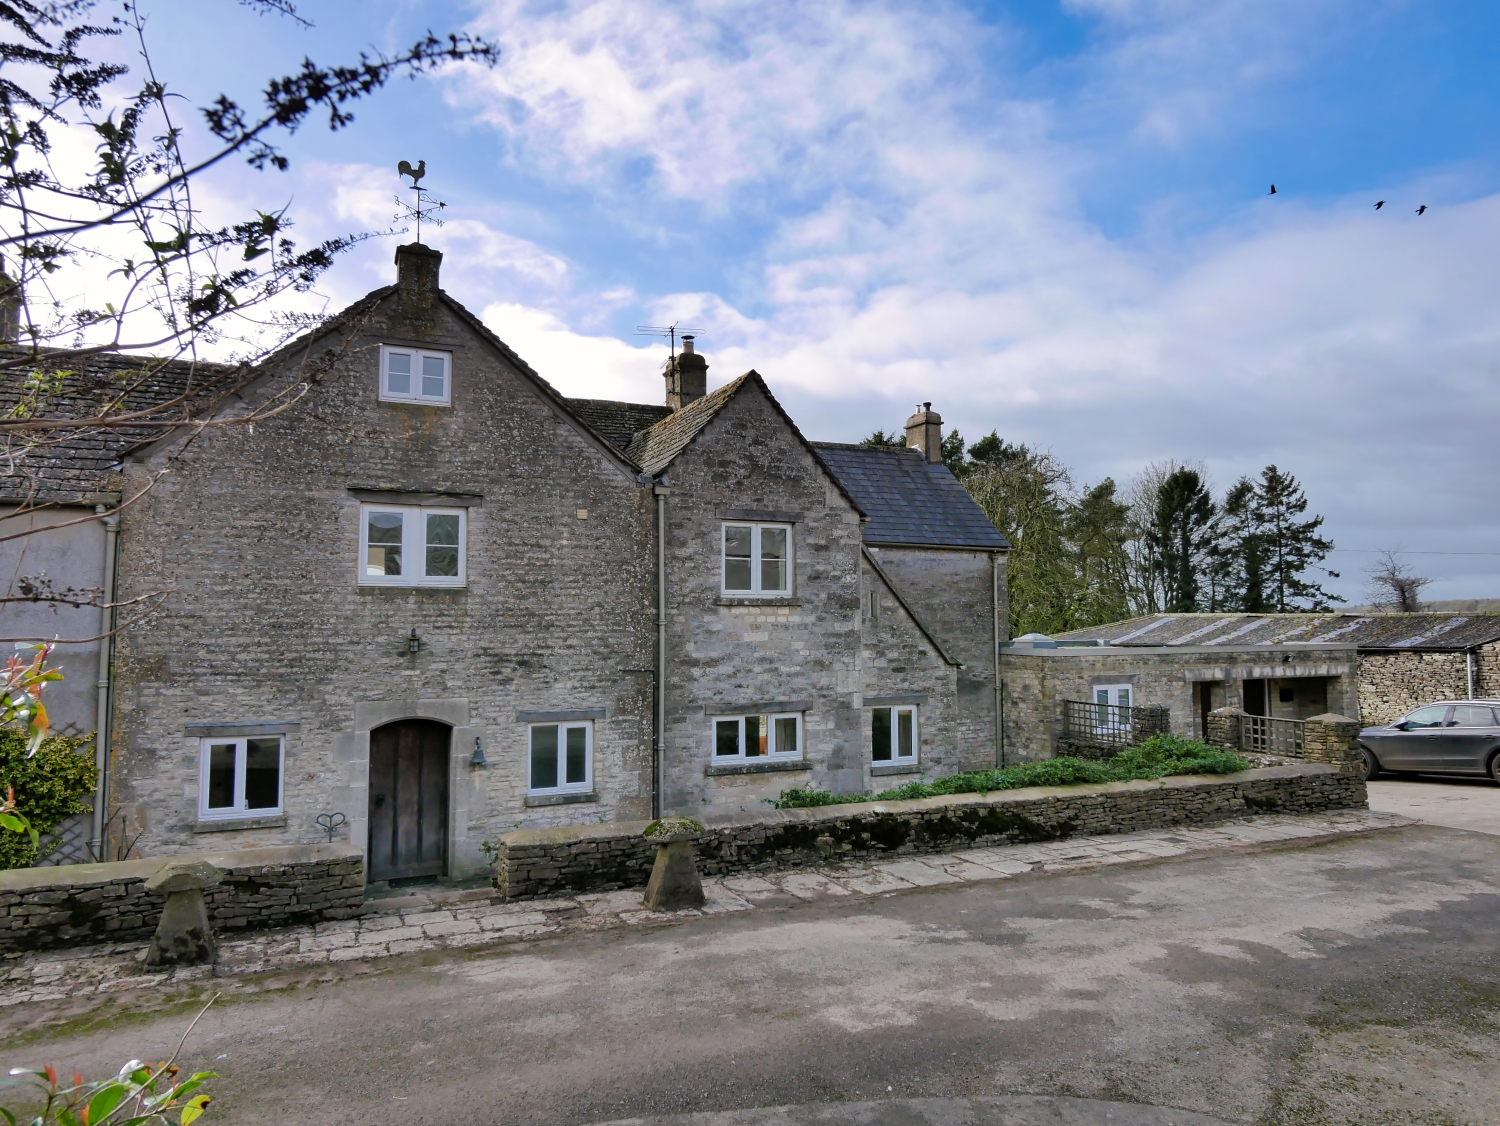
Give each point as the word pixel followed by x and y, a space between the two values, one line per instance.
pixel 687 376
pixel 416 309
pixel 924 431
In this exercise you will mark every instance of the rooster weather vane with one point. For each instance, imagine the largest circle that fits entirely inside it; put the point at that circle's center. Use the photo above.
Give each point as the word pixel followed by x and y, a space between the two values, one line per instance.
pixel 425 207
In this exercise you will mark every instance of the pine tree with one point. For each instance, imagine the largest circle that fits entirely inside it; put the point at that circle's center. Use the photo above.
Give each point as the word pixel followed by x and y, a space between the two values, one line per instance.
pixel 1097 528
pixel 1292 547
pixel 1181 533
pixel 1237 571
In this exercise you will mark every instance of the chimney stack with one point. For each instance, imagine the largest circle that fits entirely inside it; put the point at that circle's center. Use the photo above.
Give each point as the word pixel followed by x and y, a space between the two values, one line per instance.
pixel 417 271
pixel 687 376
pixel 924 431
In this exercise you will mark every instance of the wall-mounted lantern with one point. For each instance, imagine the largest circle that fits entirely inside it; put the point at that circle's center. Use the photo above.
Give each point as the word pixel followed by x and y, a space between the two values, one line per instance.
pixel 413 643
pixel 476 760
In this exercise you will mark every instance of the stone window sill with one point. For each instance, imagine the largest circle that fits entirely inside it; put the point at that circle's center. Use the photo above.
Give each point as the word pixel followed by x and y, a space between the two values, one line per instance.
pixel 727 600
pixel 535 800
pixel 754 768
pixel 232 823
pixel 896 768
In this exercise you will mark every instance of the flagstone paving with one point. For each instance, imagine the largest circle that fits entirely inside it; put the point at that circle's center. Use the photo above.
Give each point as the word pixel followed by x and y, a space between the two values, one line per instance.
pixel 452 921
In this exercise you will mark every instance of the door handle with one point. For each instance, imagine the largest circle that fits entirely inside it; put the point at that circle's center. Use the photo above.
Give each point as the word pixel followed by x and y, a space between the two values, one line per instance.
pixel 379 800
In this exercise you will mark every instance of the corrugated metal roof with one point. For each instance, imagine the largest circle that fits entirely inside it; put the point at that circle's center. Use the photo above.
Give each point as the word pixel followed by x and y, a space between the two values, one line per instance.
pixel 1365 631
pixel 909 500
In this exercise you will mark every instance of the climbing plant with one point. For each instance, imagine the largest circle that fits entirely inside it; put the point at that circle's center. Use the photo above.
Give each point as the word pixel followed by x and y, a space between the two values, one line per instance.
pixel 49 785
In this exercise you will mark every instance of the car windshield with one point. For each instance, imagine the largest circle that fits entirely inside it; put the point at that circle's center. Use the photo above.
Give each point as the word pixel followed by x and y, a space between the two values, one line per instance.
pixel 1426 717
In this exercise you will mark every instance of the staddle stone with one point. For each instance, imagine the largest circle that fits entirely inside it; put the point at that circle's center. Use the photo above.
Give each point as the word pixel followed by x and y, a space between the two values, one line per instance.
pixel 675 884
pixel 183 936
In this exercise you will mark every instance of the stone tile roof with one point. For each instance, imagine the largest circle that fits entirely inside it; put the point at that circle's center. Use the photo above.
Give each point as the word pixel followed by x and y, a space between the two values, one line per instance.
pixel 619 423
pixel 1432 632
pixel 654 449
pixel 909 500
pixel 76 466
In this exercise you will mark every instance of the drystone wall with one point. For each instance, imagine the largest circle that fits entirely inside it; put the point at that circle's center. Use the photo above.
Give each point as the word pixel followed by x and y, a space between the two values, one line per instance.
pixel 263 887
pixel 1392 683
pixel 540 862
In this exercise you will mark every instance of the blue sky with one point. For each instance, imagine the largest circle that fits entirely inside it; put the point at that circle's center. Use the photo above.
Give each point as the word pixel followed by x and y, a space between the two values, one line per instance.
pixel 1048 218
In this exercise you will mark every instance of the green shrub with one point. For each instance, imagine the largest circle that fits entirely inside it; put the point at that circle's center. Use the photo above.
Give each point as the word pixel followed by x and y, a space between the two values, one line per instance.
pixel 1157 757
pixel 50 785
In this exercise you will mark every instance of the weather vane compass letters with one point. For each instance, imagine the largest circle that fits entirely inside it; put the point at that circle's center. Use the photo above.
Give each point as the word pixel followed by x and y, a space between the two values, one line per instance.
pixel 425 207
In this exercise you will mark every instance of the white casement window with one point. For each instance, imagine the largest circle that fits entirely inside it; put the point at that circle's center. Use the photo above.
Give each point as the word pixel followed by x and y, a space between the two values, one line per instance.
pixel 561 758
pixel 240 777
pixel 402 545
pixel 757 559
pixel 1112 712
pixel 414 375
pixel 750 737
pixel 893 735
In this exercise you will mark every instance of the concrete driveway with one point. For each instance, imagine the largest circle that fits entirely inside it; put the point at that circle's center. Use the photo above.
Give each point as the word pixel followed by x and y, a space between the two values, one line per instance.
pixel 1459 803
pixel 1351 982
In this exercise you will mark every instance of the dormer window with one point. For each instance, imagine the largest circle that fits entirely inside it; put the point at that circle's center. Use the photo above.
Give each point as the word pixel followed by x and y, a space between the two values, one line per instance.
pixel 415 375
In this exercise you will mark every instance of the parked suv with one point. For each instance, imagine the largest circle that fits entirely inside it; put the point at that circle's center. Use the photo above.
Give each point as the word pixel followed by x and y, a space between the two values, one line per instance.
pixel 1453 737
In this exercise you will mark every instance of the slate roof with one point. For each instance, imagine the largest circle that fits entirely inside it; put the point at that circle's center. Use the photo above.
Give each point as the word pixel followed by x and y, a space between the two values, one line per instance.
pixel 908 499
pixel 75 467
pixel 619 423
pixel 654 449
pixel 1430 632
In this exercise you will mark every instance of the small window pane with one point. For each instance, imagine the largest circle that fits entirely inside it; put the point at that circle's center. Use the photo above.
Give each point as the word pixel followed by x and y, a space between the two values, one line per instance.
pixel 383 535
pixel 544 757
pixel 221 775
pixel 727 737
pixel 262 773
pixel 755 736
pixel 433 376
pixel 1471 716
pixel 442 546
pixel 906 731
pixel 773 559
pixel 578 755
pixel 736 557
pixel 1427 717
pixel 1124 699
pixel 398 373
pixel 1101 695
pixel 880 734
pixel 786 735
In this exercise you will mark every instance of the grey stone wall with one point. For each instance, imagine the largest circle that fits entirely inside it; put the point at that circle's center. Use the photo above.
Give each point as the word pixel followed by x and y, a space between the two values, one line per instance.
pixel 1392 683
pixel 42 908
pixel 1038 681
pixel 258 532
pixel 541 862
pixel 953 592
pixel 732 656
pixel 898 659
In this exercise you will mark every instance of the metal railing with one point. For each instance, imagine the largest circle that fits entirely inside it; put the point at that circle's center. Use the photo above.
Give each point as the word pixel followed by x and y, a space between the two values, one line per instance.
pixel 1110 726
pixel 1263 735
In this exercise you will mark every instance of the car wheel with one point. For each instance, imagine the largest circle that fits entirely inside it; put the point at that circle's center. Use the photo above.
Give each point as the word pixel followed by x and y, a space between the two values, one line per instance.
pixel 1495 766
pixel 1372 766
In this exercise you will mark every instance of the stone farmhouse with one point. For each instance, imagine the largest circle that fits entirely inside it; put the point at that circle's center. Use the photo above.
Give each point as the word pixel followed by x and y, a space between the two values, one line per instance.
pixel 436 600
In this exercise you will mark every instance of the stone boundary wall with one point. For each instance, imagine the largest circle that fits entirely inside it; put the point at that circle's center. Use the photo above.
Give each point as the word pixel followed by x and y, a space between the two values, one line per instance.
pixel 263 887
pixel 1392 683
pixel 580 858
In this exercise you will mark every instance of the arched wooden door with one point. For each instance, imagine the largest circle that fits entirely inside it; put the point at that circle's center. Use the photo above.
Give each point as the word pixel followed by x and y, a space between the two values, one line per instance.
pixel 408 799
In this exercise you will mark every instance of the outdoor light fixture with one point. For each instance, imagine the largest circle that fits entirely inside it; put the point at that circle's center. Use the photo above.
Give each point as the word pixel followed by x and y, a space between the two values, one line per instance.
pixel 476 760
pixel 413 643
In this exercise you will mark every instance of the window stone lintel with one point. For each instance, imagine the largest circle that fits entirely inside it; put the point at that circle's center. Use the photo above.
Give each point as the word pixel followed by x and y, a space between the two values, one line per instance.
pixel 760 515
pixel 560 717
pixel 239 730
pixel 420 498
pixel 890 701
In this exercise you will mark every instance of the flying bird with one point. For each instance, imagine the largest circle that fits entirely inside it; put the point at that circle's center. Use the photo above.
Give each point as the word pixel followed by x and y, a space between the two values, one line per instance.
pixel 1379 205
pixel 1272 191
pixel 1421 209
pixel 416 174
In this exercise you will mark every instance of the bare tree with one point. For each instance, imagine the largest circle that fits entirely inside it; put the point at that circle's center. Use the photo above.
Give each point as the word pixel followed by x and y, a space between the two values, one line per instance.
pixel 117 287
pixel 1392 585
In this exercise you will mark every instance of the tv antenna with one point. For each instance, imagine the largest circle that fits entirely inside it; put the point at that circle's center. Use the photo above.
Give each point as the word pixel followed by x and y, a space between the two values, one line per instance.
pixel 669 333
pixel 426 207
